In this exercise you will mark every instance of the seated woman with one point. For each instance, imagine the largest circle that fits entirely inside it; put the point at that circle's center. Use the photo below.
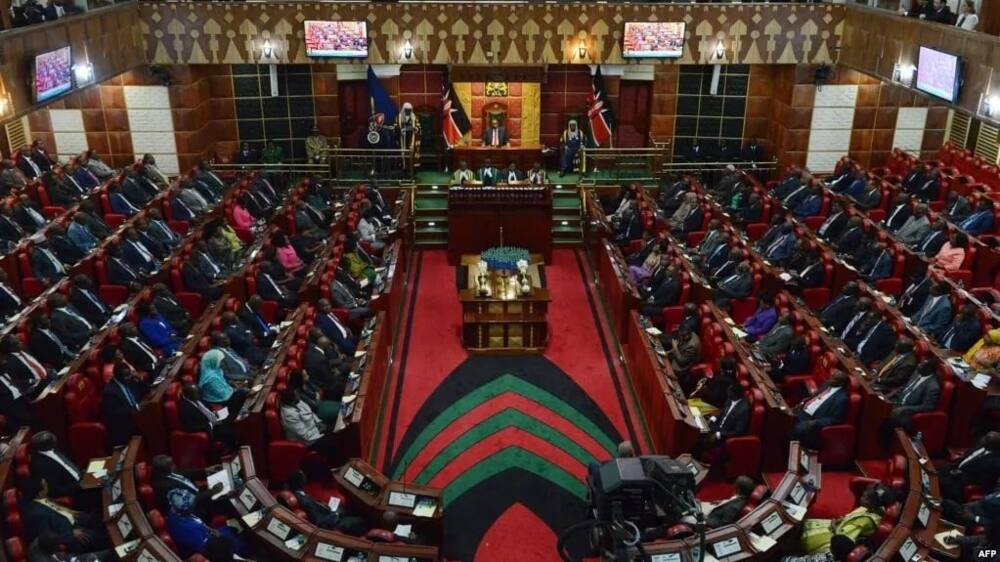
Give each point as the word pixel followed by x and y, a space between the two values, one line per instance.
pixel 355 263
pixel 368 227
pixel 242 217
pixel 215 389
pixel 286 254
pixel 301 424
pixel 639 273
pixel 860 523
pixel 951 256
pixel 762 320
pixel 157 331
pixel 985 354
pixel 190 533
pixel 326 410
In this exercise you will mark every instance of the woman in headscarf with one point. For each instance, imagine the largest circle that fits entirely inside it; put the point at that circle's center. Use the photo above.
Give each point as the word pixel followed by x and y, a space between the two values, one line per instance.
pixel 572 139
pixel 985 354
pixel 190 533
pixel 857 525
pixel 215 389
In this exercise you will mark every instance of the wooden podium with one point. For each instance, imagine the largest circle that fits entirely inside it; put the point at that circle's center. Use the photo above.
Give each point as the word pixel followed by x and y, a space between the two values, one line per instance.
pixel 486 217
pixel 505 321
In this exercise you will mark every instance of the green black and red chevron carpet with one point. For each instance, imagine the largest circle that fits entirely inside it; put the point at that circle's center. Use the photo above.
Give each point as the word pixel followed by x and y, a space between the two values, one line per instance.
pixel 508 438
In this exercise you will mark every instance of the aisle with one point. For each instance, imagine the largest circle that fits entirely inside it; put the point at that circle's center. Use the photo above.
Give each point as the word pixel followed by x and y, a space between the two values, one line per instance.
pixel 509 438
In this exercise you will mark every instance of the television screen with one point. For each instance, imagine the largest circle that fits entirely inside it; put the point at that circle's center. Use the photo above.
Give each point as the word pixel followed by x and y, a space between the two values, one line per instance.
pixel 653 39
pixel 939 73
pixel 53 73
pixel 337 39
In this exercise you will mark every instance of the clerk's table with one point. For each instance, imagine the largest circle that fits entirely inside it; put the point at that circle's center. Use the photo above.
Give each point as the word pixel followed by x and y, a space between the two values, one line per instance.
pixel 510 215
pixel 505 321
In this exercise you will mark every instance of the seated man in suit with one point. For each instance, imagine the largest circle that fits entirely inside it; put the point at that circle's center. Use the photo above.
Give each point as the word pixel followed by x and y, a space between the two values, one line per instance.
pixel 120 203
pixel 897 369
pixel 242 340
pixel 271 287
pixel 978 466
pixel 80 235
pixel 900 212
pixel 331 326
pixel 79 531
pixel 488 174
pixel 343 297
pixel 118 270
pixel 796 361
pixel 195 416
pixel 919 394
pixel 10 301
pixel 137 254
pixel 879 265
pixel 66 251
pixel 957 207
pixel 981 221
pixel 68 323
pixel 825 408
pixel 195 281
pixel 512 174
pixel 733 420
pixel 778 339
pixel 984 512
pixel 495 135
pixel 790 183
pixel 45 343
pixel 171 309
pixel 684 351
pixel 665 291
pixel 915 229
pixel 810 205
pixel 84 298
pixel 850 241
pixel 251 314
pixel 870 196
pixel 165 477
pixel 929 190
pixel 730 510
pixel 462 174
pixel 23 369
pixel 119 403
pixel 137 352
pixel 739 285
pixel 320 514
pixel 840 310
pixel 536 175
pixel 55 467
pixel 156 330
pixel 964 330
pixel 808 270
pixel 934 316
pixel 935 238
pixel 873 339
pixel 781 247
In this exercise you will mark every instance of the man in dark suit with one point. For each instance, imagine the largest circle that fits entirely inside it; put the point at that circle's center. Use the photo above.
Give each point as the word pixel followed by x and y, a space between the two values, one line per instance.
pixel 195 281
pixel 166 477
pixel 68 323
pixel 134 190
pixel 851 239
pixel 934 316
pixel 840 310
pixel 337 332
pixel 172 311
pixel 978 466
pixel 777 340
pixel 957 207
pixel 781 248
pixel 512 174
pixel 45 343
pixel 234 367
pixel 120 401
pixel 738 285
pixel 495 135
pixel 965 329
pixel 195 416
pixel 825 408
pixel 919 394
pixel 79 531
pixel 137 352
pixel 897 369
pixel 733 420
pixel 900 212
pixel 869 197
pixel 876 340
pixel 697 152
pixel 118 270
pixel 65 250
pixel 23 369
pixel 251 316
pixel 488 174
pixel 940 12
pixel 931 244
pixel 729 511
pixel 242 339
pixel 10 302
pixel 342 296
pixel 29 168
pixel 726 266
pixel 797 361
pixel 271 289
pixel 62 474
pixel 752 152
pixel 834 224
pixel 878 266
pixel 325 366
pixel 28 214
pixel 320 514
pixel 84 298
pixel 665 292
pixel 915 293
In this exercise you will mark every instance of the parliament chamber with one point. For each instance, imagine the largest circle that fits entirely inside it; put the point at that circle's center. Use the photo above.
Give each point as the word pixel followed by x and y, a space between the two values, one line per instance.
pixel 485 281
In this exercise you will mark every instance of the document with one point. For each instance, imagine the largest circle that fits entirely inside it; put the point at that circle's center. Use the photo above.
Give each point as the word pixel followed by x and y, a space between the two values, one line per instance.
pixel 402 499
pixel 222 414
pixel 333 503
pixel 278 528
pixel 761 543
pixel 124 549
pixel 426 507
pixel 251 519
pixel 221 477
pixel 329 552
pixel 354 477
pixel 96 465
pixel 403 531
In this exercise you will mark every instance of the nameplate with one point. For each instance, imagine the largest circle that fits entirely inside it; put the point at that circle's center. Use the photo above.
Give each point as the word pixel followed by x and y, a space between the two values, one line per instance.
pixel 402 499
pixel 125 526
pixel 908 549
pixel 354 477
pixel 329 552
pixel 146 556
pixel 669 557
pixel 924 514
pixel 798 492
pixel 278 528
pixel 727 547
pixel 248 499
pixel 771 522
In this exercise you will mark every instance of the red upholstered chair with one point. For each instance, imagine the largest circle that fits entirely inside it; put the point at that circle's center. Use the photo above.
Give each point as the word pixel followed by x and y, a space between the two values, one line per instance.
pixel 190 450
pixel 672 316
pixel 892 286
pixel 114 220
pixel 817 297
pixel 16 551
pixel 838 441
pixel 192 302
pixel 289 500
pixel 87 440
pixel 755 231
pixel 743 452
pixel 860 552
pixel 113 295
pixel 934 425
pixel 15 527
pixel 159 526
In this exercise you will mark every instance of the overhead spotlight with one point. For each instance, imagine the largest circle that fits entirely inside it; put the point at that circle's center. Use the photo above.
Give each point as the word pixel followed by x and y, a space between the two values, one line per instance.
pixel 84 73
pixel 407 49
pixel 268 49
pixel 581 50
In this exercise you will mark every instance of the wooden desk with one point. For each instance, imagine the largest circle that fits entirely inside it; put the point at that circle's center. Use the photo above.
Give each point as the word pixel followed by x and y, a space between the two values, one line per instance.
pixel 478 215
pixel 522 156
pixel 504 322
pixel 620 294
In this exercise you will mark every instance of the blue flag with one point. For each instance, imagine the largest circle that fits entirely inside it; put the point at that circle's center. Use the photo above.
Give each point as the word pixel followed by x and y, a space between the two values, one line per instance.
pixel 381 108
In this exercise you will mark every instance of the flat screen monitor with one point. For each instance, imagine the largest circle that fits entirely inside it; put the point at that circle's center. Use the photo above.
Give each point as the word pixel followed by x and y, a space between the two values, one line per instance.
pixel 649 40
pixel 939 74
pixel 53 73
pixel 348 39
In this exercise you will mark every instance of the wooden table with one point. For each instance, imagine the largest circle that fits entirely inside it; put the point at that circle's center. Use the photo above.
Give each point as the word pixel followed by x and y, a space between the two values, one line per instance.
pixel 505 321
pixel 522 156
pixel 484 217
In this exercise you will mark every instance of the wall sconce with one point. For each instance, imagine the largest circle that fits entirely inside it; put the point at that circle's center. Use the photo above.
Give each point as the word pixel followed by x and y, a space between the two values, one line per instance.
pixel 720 50
pixel 407 50
pixel 581 49
pixel 5 104
pixel 268 49
pixel 84 73
pixel 904 74
pixel 990 106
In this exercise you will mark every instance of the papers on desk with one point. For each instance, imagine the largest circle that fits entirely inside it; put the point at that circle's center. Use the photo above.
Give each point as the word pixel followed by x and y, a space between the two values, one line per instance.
pixel 125 526
pixel 119 314
pixel 251 519
pixel 146 556
pixel 923 514
pixel 363 283
pixel 222 414
pixel 278 528
pixel 256 388
pixel 761 543
pixel 771 522
pixel 354 477
pixel 114 508
pixel 248 499
pixel 221 477
pixel 669 557
pixel 784 277
pixel 96 465
pixel 739 333
pixel 981 380
pixel 403 531
pixel 653 331
pixel 796 512
pixel 402 499
pixel 296 542
pixel 333 503
pixel 329 552
pixel 360 353
pixel 940 537
pixel 126 548
pixel 908 549
pixel 394 559
pixel 426 507
pixel 116 490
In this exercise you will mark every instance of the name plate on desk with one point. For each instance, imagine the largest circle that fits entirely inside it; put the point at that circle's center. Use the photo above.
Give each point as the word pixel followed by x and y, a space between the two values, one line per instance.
pixel 146 556
pixel 248 499
pixel 329 552
pixel 924 514
pixel 402 499
pixel 354 477
pixel 116 490
pixel 668 557
pixel 125 526
pixel 908 549
pixel 727 547
pixel 798 493
pixel 771 522
pixel 278 528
